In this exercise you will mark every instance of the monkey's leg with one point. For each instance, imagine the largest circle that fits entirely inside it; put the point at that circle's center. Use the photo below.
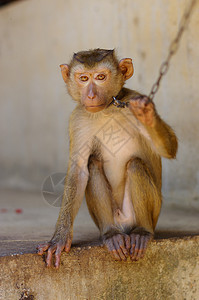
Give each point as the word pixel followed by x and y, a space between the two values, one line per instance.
pixel 101 206
pixel 146 199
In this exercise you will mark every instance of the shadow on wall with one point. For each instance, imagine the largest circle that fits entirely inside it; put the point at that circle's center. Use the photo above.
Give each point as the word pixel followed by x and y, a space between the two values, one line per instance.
pixel 5 2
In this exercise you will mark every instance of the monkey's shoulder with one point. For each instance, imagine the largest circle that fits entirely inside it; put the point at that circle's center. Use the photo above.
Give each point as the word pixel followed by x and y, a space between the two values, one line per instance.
pixel 127 94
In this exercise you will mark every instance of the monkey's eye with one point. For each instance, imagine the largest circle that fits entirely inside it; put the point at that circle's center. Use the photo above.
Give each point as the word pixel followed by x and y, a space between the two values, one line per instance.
pixel 100 77
pixel 83 78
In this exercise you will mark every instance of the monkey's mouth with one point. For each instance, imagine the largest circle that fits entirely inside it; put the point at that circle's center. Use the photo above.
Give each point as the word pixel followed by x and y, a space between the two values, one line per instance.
pixel 95 105
pixel 95 108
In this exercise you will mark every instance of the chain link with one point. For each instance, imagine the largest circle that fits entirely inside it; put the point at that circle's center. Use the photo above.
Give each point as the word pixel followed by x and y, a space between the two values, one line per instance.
pixel 172 49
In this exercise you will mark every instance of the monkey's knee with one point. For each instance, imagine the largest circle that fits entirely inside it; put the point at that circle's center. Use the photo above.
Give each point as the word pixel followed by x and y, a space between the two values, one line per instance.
pixel 137 166
pixel 145 194
pixel 94 164
pixel 140 174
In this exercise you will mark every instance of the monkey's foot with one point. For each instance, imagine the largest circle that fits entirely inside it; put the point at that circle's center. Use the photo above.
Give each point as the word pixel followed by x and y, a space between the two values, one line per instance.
pixel 54 247
pixel 118 245
pixel 139 242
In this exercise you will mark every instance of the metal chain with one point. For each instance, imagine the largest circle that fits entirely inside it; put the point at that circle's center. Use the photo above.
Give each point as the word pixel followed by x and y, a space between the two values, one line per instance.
pixel 172 49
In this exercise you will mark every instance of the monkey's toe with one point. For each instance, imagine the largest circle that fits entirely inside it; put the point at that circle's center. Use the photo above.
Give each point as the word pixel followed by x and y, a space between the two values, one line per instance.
pixel 41 248
pixel 139 244
pixel 118 245
pixel 54 248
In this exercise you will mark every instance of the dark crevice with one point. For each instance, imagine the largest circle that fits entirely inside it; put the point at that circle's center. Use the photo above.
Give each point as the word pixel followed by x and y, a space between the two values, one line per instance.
pixel 21 247
pixel 5 2
pixel 173 234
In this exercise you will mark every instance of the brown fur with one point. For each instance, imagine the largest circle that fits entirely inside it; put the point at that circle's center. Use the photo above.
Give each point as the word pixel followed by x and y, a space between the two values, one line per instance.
pixel 123 188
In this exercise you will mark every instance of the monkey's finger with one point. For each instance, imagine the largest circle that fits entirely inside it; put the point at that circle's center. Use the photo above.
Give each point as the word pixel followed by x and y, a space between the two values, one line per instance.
pixel 127 242
pixel 137 244
pixel 50 252
pixel 137 99
pixel 138 110
pixel 115 255
pixel 117 248
pixel 58 255
pixel 146 100
pixel 144 249
pixel 68 245
pixel 146 241
pixel 42 248
pixel 143 99
pixel 121 241
pixel 134 104
pixel 132 244
pixel 136 249
pixel 111 248
pixel 141 248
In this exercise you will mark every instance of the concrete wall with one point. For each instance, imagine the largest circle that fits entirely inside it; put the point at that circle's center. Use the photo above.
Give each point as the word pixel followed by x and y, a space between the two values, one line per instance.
pixel 169 270
pixel 36 36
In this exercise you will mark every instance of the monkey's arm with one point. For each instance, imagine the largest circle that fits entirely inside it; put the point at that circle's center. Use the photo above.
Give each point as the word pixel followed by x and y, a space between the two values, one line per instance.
pixel 163 137
pixel 73 195
pixel 75 185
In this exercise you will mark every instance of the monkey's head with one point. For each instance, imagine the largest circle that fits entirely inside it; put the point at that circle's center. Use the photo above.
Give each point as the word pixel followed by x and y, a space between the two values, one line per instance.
pixel 93 77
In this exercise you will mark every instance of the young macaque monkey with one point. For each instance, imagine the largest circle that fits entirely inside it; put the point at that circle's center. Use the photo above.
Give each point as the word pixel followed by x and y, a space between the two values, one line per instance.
pixel 115 157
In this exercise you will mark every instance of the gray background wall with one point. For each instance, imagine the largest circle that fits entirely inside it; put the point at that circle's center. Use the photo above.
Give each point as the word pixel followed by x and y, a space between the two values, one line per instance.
pixel 36 36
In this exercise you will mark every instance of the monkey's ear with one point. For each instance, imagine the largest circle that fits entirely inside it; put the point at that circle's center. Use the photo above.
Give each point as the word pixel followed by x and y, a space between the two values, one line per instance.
pixel 65 72
pixel 126 67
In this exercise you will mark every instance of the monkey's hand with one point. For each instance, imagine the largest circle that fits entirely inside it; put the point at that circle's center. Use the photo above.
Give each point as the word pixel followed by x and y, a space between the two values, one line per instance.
pixel 118 245
pixel 144 110
pixel 139 242
pixel 56 245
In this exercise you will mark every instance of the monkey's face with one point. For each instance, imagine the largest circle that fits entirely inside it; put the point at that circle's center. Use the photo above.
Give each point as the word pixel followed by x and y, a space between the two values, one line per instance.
pixel 96 88
pixel 94 85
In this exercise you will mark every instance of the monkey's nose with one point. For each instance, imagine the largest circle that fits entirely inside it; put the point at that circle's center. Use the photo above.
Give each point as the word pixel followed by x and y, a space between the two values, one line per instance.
pixel 91 97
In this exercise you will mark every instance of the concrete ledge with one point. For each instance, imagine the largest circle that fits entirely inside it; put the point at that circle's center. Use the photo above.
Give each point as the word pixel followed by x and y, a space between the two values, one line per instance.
pixel 170 270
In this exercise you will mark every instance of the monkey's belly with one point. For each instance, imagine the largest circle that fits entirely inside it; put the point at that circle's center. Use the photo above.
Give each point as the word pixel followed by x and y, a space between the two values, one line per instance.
pixel 115 164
